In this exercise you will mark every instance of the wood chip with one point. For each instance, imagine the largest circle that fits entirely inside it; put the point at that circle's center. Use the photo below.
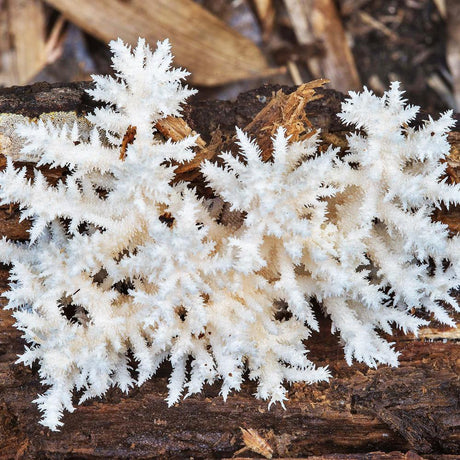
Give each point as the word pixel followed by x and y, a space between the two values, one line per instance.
pixel 214 53
pixel 253 441
pixel 286 110
pixel 55 43
pixel 298 11
pixel 294 73
pixel 175 128
pixel 441 6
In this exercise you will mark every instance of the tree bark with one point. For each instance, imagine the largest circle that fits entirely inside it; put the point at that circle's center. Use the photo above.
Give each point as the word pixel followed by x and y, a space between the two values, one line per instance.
pixel 370 413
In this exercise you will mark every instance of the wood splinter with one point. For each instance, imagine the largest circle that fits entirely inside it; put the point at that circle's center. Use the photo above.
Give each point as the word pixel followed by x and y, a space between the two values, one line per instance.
pixel 128 138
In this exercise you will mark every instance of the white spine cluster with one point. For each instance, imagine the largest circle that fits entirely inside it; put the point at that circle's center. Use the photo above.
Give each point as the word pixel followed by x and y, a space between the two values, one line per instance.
pixel 105 273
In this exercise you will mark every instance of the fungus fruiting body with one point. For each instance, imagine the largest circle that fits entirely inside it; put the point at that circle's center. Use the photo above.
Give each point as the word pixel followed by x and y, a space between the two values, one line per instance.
pixel 105 273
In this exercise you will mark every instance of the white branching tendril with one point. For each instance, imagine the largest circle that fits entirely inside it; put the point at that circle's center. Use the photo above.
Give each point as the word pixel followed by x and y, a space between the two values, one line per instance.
pixel 105 274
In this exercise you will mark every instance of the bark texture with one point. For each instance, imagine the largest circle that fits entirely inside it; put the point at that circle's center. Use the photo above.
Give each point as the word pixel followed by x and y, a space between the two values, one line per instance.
pixel 388 413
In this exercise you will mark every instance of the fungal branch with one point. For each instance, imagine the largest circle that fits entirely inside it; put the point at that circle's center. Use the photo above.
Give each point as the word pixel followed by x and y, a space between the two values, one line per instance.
pixel 125 259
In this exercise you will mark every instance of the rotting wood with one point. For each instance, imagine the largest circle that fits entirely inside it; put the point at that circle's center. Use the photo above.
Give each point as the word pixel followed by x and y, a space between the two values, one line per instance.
pixel 210 50
pixel 286 110
pixel 413 408
pixel 259 112
pixel 360 410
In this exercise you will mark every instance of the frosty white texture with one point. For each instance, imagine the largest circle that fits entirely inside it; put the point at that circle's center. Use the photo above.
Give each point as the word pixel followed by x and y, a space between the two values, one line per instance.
pixel 105 273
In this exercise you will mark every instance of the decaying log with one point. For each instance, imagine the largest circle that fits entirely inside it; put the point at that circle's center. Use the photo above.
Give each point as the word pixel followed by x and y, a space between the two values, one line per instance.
pixel 390 413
